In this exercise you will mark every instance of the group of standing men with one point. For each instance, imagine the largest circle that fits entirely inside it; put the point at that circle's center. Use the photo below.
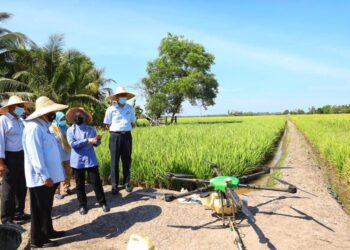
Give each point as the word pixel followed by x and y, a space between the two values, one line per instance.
pixel 38 151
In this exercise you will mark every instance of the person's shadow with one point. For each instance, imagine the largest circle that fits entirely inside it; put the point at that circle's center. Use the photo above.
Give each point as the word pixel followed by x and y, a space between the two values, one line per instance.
pixel 112 224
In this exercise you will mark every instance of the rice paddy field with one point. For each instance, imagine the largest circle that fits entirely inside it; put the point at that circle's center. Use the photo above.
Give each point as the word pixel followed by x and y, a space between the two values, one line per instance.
pixel 331 135
pixel 237 144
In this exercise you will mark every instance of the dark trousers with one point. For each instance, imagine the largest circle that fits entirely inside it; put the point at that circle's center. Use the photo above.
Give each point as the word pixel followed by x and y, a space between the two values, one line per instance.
pixel 95 180
pixel 41 202
pixel 14 188
pixel 120 146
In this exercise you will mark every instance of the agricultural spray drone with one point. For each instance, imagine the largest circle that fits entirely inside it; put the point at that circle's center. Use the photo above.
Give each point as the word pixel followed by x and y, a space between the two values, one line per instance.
pixel 224 189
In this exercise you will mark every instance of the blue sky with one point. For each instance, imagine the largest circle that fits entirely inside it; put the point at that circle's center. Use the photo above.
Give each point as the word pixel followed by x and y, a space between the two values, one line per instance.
pixel 270 55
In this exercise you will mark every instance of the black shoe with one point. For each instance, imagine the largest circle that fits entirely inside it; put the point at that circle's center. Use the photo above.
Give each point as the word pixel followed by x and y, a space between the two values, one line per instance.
pixel 9 222
pixel 69 191
pixel 48 243
pixel 83 210
pixel 105 208
pixel 22 217
pixel 57 234
pixel 128 188
pixel 115 191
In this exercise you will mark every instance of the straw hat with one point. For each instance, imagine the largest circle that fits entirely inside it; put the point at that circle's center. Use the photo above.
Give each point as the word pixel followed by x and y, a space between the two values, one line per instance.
pixel 43 106
pixel 71 112
pixel 14 100
pixel 121 90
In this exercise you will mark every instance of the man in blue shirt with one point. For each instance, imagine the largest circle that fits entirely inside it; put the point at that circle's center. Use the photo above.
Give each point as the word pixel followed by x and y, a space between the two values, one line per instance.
pixel 43 170
pixel 82 138
pixel 14 188
pixel 120 119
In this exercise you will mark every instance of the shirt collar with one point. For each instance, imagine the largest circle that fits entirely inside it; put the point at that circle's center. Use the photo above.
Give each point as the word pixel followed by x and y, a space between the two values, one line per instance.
pixel 116 105
pixel 10 116
pixel 81 126
pixel 43 122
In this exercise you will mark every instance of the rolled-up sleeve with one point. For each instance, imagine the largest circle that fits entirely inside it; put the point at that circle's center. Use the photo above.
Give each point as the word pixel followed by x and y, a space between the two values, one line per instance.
pixel 35 153
pixel 73 142
pixel 3 127
pixel 108 117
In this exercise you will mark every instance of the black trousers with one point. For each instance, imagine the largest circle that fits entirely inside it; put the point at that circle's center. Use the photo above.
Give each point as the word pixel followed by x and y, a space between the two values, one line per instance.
pixel 94 176
pixel 14 188
pixel 41 202
pixel 120 146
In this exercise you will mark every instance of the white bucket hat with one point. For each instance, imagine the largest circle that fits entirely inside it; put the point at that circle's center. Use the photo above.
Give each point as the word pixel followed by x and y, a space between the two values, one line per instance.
pixel 121 90
pixel 43 106
pixel 14 100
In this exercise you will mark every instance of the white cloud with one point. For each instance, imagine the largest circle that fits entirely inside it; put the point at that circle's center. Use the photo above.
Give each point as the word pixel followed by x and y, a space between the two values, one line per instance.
pixel 231 49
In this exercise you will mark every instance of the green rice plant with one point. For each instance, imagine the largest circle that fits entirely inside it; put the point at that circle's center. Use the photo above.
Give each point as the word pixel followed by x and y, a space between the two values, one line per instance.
pixel 237 144
pixel 331 135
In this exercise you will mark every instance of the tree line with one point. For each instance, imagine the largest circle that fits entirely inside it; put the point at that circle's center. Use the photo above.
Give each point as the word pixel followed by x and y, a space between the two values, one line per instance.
pixel 65 76
pixel 327 109
pixel 181 72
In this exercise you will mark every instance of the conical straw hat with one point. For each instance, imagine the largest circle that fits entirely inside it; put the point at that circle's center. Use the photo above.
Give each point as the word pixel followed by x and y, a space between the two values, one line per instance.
pixel 71 112
pixel 43 106
pixel 14 100
pixel 121 90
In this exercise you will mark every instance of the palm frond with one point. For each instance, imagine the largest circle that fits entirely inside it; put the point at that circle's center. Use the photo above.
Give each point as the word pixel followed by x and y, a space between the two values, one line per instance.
pixel 4 16
pixel 15 40
pixel 106 91
pixel 4 31
pixel 10 85
pixel 83 99
pixel 24 95
pixel 24 75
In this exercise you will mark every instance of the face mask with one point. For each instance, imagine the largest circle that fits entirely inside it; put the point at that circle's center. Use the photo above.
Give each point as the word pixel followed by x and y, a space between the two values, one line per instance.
pixel 79 120
pixel 19 111
pixel 122 100
pixel 51 117
pixel 62 123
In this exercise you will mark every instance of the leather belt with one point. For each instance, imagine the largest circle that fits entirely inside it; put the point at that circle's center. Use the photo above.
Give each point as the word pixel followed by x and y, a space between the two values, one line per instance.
pixel 121 132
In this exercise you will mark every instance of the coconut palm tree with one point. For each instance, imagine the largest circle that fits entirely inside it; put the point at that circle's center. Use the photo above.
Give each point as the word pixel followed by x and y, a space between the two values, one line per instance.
pixel 8 42
pixel 65 77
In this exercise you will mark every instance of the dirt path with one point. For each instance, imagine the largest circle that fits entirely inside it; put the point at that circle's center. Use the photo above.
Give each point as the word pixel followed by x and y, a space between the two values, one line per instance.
pixel 310 220
pixel 307 220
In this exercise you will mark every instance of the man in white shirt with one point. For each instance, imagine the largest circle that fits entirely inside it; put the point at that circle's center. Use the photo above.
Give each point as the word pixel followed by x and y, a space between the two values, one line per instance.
pixel 120 119
pixel 14 188
pixel 43 170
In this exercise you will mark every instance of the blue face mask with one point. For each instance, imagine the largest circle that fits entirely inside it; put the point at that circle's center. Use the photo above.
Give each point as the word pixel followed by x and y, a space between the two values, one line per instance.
pixel 62 123
pixel 122 100
pixel 19 111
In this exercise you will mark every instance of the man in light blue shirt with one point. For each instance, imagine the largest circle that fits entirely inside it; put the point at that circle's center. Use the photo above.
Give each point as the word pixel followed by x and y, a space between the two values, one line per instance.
pixel 43 170
pixel 14 188
pixel 120 119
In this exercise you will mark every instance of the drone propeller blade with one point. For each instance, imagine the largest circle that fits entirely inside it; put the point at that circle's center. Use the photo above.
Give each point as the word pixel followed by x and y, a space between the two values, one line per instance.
pixel 282 181
pixel 180 175
pixel 239 204
pixel 158 196
pixel 289 184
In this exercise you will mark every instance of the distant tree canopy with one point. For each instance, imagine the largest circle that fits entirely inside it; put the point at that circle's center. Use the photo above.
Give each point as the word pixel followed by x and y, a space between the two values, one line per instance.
pixel 327 109
pixel 67 77
pixel 181 72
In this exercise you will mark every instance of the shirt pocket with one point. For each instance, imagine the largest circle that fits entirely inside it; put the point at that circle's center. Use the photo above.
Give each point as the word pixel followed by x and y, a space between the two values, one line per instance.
pixel 116 118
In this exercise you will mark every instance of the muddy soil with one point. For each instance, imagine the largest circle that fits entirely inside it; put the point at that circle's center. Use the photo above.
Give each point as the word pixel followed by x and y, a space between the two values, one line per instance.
pixel 310 219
